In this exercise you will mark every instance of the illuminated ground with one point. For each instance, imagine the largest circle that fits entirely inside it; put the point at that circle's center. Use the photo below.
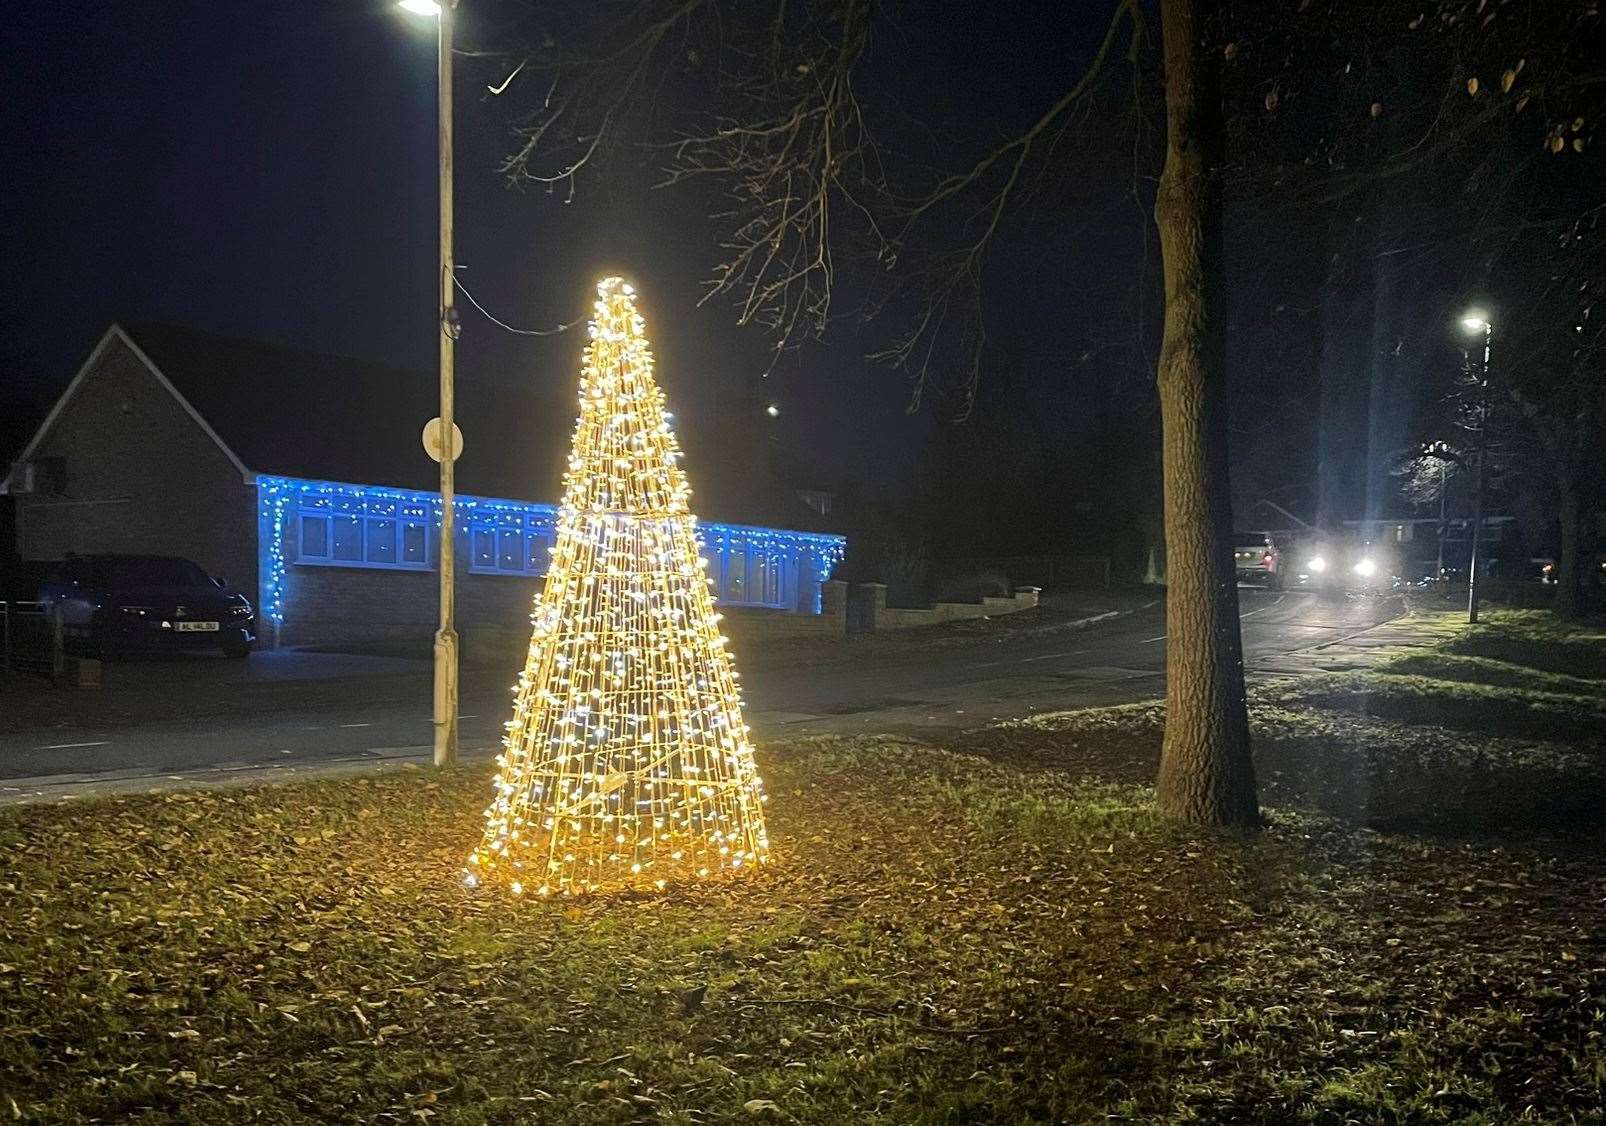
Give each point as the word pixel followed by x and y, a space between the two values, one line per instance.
pixel 996 930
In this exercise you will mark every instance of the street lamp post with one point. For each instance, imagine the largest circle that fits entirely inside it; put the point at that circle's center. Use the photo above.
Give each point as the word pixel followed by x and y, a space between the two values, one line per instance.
pixel 1477 322
pixel 446 693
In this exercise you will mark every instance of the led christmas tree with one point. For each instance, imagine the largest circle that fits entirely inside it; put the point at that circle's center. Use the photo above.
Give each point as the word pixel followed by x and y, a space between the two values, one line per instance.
pixel 626 762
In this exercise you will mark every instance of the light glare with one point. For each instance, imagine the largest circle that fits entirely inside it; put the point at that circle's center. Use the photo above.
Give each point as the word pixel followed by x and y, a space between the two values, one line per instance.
pixel 1366 568
pixel 420 7
pixel 1317 564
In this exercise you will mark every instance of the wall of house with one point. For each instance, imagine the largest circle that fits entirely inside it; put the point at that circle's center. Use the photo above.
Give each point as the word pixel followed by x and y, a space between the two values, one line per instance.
pixel 389 599
pixel 333 606
pixel 141 476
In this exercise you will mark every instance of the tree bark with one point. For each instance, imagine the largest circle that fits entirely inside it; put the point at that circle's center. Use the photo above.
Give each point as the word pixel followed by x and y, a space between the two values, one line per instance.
pixel 1568 600
pixel 1206 774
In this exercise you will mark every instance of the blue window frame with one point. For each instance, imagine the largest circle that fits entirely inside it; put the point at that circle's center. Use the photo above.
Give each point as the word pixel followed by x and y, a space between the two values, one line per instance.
pixel 749 570
pixel 508 542
pixel 341 531
pixel 338 525
pixel 335 524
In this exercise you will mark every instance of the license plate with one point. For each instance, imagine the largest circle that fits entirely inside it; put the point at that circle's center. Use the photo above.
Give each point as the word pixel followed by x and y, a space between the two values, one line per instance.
pixel 195 627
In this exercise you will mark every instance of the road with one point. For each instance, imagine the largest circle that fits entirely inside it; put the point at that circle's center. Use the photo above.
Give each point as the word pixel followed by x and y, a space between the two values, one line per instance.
pixel 351 711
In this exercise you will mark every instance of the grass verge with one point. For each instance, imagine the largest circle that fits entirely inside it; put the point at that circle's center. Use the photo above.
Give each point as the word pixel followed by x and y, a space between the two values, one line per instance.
pixel 1001 930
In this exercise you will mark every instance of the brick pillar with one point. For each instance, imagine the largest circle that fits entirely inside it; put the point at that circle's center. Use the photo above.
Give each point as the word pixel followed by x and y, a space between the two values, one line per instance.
pixel 874 597
pixel 834 605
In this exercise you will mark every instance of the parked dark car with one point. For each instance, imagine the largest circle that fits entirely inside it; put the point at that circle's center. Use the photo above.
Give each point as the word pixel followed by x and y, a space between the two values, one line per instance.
pixel 120 604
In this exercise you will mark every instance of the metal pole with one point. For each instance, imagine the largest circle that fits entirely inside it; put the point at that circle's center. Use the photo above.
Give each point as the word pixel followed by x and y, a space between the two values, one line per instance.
pixel 446 696
pixel 1438 575
pixel 1483 456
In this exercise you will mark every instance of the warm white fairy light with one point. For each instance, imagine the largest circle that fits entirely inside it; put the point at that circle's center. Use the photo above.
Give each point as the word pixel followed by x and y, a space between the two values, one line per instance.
pixel 626 762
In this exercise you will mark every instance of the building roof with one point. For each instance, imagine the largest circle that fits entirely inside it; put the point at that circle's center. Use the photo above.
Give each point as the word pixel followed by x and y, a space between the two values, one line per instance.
pixel 292 413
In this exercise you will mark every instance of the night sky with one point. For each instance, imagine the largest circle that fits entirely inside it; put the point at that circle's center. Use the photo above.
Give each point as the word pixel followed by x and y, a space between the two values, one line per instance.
pixel 267 170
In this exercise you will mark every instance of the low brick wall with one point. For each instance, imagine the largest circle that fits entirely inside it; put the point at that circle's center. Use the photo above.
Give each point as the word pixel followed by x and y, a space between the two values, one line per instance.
pixel 875 614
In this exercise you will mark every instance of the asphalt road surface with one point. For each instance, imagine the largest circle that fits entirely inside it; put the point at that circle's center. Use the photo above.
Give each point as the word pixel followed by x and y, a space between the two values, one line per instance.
pixel 301 712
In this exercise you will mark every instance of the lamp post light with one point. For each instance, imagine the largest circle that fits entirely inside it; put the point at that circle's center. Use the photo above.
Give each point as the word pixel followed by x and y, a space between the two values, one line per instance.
pixel 1476 321
pixel 446 692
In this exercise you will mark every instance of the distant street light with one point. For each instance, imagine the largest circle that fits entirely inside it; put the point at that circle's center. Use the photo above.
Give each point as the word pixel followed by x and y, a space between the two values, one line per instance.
pixel 446 694
pixel 773 411
pixel 1476 321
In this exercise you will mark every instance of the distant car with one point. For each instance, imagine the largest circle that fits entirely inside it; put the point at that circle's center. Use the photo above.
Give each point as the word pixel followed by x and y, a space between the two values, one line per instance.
pixel 1346 565
pixel 1257 559
pixel 119 604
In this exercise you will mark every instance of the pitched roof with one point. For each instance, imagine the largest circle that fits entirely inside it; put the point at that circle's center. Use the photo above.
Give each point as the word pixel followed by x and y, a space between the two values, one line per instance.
pixel 294 413
pixel 303 414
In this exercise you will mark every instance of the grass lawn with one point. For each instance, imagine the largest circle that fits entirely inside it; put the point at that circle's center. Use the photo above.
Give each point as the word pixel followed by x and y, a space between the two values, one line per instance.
pixel 995 930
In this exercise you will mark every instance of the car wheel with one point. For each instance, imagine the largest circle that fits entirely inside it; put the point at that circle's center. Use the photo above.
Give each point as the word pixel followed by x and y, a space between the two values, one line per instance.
pixel 237 649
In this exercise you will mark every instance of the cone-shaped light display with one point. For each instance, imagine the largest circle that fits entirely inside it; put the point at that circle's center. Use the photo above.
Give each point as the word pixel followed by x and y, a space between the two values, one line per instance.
pixel 626 762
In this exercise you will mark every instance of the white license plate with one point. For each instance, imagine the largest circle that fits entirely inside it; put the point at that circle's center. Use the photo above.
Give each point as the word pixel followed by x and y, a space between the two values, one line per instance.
pixel 195 627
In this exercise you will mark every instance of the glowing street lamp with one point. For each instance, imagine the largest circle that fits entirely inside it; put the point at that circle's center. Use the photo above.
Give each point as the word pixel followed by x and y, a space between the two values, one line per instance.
pixel 1475 321
pixel 445 694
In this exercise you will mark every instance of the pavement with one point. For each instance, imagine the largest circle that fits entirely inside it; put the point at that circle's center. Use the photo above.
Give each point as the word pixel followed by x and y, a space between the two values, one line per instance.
pixel 283 714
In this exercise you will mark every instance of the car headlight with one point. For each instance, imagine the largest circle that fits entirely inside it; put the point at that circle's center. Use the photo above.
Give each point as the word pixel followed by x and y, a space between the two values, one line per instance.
pixel 136 611
pixel 1316 565
pixel 1366 568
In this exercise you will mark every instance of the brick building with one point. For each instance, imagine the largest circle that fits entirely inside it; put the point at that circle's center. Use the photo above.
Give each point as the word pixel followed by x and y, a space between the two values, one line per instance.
pixel 302 477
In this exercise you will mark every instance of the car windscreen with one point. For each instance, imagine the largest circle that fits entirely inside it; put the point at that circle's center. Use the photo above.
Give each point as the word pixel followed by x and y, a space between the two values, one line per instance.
pixel 134 572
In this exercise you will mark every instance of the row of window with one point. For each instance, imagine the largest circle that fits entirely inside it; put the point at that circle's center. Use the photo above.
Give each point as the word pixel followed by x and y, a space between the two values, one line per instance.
pixel 352 533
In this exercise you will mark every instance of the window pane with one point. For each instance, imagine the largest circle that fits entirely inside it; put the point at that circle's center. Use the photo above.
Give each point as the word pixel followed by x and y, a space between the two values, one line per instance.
pixel 484 548
pixel 381 541
pixel 736 574
pixel 540 544
pixel 413 549
pixel 756 575
pixel 510 555
pixel 348 538
pixel 315 537
pixel 772 579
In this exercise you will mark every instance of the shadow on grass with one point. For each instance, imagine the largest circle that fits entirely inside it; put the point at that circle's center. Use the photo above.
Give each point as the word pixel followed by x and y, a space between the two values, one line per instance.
pixel 1463 669
pixel 1481 708
pixel 1537 641
pixel 1422 778
pixel 1400 785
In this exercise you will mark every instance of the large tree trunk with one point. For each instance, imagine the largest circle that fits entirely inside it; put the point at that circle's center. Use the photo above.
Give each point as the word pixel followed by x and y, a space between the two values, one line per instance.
pixel 1206 774
pixel 1568 600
